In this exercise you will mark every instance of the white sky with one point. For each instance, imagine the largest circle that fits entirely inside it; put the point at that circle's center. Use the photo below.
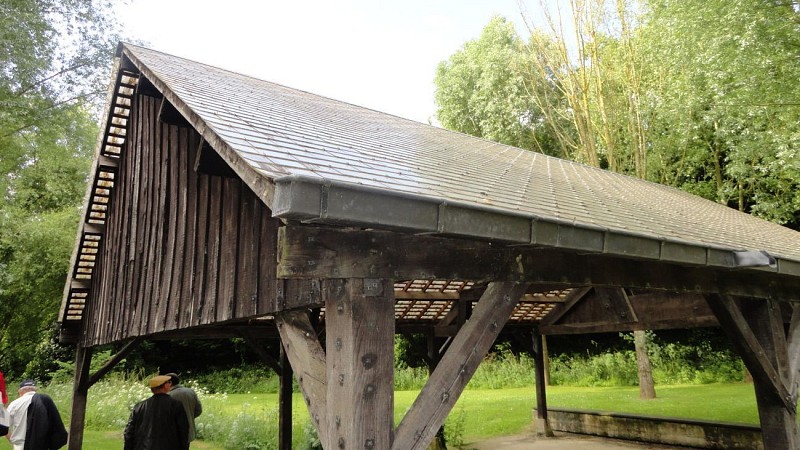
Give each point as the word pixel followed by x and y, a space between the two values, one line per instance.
pixel 378 54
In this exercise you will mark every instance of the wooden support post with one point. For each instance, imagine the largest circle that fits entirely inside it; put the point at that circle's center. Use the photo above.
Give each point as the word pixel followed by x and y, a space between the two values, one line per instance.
pixel 80 391
pixel 542 423
pixel 83 381
pixel 308 363
pixel 757 330
pixel 359 329
pixel 285 404
pixel 459 363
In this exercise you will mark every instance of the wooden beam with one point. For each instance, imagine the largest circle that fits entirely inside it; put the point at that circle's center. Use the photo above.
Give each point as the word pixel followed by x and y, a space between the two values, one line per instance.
pixel 308 363
pixel 80 391
pixel 285 404
pixel 542 423
pixel 113 361
pixel 592 313
pixel 319 252
pixel 359 337
pixel 729 313
pixel 459 363
pixel 756 330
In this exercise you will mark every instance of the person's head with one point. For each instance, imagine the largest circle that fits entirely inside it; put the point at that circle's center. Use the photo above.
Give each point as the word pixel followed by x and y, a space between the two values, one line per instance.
pixel 160 384
pixel 27 386
pixel 174 378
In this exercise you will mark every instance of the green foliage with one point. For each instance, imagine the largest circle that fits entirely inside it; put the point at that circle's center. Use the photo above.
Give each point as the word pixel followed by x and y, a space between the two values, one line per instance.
pixel 253 429
pixel 54 57
pixel 454 428
pixel 503 369
pixel 240 380
pixel 481 89
pixel 652 88
pixel 605 369
pixel 724 107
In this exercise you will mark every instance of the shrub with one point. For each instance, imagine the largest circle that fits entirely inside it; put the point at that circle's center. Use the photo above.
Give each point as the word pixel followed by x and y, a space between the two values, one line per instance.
pixel 240 380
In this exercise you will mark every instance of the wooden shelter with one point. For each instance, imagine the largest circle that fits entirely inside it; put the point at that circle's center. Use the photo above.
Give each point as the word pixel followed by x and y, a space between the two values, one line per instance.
pixel 222 205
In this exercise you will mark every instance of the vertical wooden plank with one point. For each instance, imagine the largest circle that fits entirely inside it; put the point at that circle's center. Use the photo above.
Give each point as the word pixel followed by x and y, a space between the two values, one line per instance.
pixel 143 188
pixel 155 249
pixel 248 264
pixel 542 423
pixel 267 260
pixel 359 328
pixel 459 363
pixel 186 309
pixel 201 251
pixel 229 251
pixel 80 392
pixel 175 224
pixel 213 245
pixel 285 403
pixel 133 175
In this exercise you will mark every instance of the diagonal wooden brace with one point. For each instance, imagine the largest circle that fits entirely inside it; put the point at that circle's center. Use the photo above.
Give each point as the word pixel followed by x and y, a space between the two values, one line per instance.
pixel 307 359
pixel 459 363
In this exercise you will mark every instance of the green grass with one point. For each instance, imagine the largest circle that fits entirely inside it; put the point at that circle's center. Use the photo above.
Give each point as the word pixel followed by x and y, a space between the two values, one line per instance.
pixel 485 413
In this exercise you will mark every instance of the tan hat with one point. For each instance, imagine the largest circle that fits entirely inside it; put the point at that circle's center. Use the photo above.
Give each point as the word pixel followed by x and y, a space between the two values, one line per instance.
pixel 158 380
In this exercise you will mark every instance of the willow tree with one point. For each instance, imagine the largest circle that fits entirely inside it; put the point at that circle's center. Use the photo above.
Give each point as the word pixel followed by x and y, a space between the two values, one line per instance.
pixel 482 90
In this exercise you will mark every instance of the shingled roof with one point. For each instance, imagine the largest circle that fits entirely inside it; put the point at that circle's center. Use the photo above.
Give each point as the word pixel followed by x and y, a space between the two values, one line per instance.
pixel 316 159
pixel 313 158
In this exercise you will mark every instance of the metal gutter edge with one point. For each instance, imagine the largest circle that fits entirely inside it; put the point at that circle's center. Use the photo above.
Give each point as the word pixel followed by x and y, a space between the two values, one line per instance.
pixel 317 200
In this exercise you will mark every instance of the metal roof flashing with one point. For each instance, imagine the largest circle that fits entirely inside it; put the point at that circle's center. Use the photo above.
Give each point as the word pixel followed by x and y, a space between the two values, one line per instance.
pixel 317 200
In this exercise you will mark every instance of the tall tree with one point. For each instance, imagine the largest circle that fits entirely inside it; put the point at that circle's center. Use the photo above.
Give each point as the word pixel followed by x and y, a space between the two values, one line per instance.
pixel 481 90
pixel 724 112
pixel 54 59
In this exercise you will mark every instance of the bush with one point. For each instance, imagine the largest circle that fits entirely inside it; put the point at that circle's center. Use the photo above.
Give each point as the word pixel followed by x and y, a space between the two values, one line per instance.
pixel 240 380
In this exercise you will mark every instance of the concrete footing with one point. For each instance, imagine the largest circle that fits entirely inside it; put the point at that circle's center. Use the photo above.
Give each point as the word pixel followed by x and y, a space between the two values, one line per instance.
pixel 655 429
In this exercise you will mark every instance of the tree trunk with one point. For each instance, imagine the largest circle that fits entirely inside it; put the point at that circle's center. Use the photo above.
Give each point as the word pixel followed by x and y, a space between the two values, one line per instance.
pixel 647 389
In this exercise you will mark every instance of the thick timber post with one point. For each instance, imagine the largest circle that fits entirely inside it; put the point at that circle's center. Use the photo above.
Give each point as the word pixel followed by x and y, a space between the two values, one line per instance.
pixel 757 330
pixel 285 404
pixel 542 423
pixel 359 329
pixel 80 393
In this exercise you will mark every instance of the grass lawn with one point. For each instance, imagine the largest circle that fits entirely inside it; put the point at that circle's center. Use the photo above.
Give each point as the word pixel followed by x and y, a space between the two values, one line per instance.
pixel 498 412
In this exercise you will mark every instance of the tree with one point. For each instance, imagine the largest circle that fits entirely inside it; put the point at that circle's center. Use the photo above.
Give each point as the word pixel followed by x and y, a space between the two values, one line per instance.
pixel 481 90
pixel 53 56
pixel 724 102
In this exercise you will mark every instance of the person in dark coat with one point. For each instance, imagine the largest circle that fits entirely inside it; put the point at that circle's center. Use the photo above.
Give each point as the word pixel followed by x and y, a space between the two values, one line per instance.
pixel 158 423
pixel 188 398
pixel 35 423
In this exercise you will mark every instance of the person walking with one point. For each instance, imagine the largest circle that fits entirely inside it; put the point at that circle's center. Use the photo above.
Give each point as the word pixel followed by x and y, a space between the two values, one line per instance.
pixel 3 393
pixel 35 422
pixel 159 422
pixel 188 398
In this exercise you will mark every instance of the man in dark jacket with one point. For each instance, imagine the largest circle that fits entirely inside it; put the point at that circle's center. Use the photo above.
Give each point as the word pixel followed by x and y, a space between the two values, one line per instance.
pixel 158 423
pixel 35 421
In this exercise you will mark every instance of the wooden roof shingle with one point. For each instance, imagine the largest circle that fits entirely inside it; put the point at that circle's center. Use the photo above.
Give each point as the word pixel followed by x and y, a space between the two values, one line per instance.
pixel 296 143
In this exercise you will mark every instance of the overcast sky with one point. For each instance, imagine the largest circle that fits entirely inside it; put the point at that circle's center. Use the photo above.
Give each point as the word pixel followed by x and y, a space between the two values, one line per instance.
pixel 378 54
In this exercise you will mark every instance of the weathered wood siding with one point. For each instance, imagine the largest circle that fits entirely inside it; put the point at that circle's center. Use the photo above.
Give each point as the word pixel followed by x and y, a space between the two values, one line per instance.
pixel 182 249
